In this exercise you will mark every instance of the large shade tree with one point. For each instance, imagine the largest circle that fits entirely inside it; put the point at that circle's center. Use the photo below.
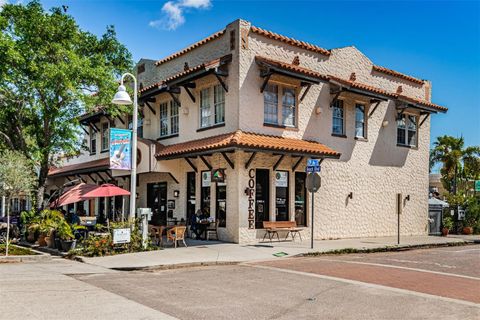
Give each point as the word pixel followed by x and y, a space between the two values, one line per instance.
pixel 51 71
pixel 459 163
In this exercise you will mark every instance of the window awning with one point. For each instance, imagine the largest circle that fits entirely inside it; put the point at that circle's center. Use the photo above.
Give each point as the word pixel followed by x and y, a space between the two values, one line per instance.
pixel 270 67
pixel 80 168
pixel 246 141
pixel 184 78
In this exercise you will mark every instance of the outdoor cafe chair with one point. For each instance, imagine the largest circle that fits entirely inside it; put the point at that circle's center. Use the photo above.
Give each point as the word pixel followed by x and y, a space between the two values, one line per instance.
pixel 213 231
pixel 176 234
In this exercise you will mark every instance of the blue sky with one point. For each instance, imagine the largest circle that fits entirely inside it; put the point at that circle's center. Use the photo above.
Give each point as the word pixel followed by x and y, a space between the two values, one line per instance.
pixel 434 40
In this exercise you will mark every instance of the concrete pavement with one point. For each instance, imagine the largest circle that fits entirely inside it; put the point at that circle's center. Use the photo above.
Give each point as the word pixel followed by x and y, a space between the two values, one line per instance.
pixel 211 252
pixel 43 290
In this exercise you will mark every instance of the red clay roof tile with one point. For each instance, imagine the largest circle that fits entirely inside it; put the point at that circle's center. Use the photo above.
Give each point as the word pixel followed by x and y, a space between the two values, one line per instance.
pixel 95 164
pixel 397 74
pixel 291 67
pixel 248 140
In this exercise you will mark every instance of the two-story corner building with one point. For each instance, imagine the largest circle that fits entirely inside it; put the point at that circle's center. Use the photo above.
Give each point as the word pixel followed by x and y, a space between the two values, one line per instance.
pixel 230 121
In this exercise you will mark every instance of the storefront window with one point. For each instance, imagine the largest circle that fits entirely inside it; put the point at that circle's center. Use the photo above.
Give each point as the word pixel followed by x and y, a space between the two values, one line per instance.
pixel 221 198
pixel 300 199
pixel 262 197
pixel 281 195
pixel 205 192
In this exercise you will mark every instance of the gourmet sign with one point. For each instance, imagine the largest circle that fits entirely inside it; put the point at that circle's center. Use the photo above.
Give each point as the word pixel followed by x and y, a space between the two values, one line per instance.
pixel 251 199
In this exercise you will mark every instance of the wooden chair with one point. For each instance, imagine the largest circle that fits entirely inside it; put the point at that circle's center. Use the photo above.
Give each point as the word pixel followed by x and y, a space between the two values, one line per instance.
pixel 213 231
pixel 176 234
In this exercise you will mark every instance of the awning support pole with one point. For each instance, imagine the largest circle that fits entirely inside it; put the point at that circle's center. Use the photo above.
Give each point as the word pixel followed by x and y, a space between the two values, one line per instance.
pixel 230 163
pixel 191 164
pixel 250 160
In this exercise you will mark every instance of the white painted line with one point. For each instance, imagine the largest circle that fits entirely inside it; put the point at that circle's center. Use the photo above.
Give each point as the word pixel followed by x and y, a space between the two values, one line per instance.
pixel 370 285
pixel 466 250
pixel 405 268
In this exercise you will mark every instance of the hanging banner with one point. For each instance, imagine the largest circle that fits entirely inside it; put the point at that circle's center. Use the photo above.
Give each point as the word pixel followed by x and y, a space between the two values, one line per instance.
pixel 120 149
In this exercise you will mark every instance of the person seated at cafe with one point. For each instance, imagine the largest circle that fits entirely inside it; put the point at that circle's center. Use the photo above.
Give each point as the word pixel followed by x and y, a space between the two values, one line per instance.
pixel 197 225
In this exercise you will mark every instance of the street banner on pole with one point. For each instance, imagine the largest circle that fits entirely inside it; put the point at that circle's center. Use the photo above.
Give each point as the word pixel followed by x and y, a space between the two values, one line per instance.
pixel 120 149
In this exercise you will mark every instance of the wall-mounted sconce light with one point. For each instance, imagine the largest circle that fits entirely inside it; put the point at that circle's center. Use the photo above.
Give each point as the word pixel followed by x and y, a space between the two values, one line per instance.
pixel 185 110
pixel 176 193
pixel 318 110
pixel 350 195
pixel 385 123
pixel 407 198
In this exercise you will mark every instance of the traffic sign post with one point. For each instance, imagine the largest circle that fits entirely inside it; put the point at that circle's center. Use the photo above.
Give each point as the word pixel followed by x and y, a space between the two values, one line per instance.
pixel 314 181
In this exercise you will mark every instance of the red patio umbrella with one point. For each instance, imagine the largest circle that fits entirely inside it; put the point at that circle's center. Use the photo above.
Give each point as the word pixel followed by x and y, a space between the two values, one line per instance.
pixel 106 190
pixel 73 194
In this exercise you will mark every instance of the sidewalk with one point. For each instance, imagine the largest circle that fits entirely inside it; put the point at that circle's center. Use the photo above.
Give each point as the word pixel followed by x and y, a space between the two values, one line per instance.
pixel 212 252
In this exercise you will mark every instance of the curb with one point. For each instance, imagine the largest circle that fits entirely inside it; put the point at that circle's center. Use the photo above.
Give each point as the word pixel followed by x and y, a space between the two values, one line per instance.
pixel 47 250
pixel 38 256
pixel 390 248
pixel 177 266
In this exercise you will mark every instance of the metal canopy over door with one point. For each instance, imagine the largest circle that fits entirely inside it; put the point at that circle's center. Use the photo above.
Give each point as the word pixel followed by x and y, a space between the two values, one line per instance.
pixel 262 197
pixel 157 201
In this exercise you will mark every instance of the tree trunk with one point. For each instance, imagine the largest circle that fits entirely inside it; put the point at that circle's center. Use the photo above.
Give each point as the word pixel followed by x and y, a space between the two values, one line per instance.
pixel 42 178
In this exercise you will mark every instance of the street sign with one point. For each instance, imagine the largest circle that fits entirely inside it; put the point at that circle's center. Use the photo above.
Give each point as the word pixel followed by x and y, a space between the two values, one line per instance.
pixel 477 185
pixel 313 165
pixel 313 182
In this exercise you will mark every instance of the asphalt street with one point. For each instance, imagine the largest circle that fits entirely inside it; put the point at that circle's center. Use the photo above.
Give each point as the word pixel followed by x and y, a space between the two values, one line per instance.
pixel 440 283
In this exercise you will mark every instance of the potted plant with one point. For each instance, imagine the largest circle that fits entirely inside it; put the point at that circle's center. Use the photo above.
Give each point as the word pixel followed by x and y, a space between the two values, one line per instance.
pixel 67 239
pixel 472 216
pixel 447 224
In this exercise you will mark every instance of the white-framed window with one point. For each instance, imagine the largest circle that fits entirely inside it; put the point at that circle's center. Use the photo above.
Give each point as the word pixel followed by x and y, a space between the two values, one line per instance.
pixel 139 125
pixel 284 114
pixel 219 103
pixel 93 141
pixel 338 118
pixel 407 127
pixel 163 119
pixel 169 122
pixel 270 101
pixel 360 125
pixel 212 106
pixel 105 137
pixel 205 110
pixel 288 107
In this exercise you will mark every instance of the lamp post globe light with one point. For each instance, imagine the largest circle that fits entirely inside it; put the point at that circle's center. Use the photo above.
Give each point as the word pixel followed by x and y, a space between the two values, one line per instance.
pixel 123 98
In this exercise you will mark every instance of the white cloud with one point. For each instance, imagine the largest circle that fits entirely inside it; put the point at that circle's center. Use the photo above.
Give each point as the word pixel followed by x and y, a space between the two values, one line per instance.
pixel 174 13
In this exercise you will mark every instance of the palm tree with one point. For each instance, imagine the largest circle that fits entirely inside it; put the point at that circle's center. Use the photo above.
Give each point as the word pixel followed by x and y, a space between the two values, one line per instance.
pixel 457 161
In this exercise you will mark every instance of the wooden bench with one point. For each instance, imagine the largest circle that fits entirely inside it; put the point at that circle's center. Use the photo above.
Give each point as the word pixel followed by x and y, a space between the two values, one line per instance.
pixel 272 228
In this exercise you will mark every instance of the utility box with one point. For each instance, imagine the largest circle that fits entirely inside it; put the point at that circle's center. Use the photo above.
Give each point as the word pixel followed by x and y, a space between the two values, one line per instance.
pixel 144 212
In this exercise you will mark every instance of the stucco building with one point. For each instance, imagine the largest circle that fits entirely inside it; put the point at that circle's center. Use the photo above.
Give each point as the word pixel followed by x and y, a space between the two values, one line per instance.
pixel 251 106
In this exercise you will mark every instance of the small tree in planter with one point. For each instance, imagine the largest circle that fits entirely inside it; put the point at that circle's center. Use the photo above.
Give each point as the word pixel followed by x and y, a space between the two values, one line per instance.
pixel 67 238
pixel 471 222
pixel 447 224
pixel 16 179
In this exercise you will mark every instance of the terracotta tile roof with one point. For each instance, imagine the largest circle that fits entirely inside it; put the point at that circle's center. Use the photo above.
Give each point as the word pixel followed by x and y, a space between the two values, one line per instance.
pixel 290 41
pixel 291 67
pixel 207 65
pixel 248 140
pixel 362 86
pixel 103 163
pixel 422 102
pixel 214 36
pixel 397 74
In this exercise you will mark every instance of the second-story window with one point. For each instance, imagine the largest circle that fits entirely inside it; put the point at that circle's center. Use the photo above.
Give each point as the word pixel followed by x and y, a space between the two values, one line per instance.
pixel 212 106
pixel 360 121
pixel 271 108
pixel 407 130
pixel 105 136
pixel 338 117
pixel 139 126
pixel 93 141
pixel 205 111
pixel 169 124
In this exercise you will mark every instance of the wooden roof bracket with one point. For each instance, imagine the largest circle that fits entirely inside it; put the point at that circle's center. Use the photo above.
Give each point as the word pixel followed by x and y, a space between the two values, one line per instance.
pixel 266 77
pixel 218 74
pixel 427 114
pixel 100 176
pixel 377 102
pixel 94 127
pixel 121 120
pixel 150 107
pixel 85 130
pixel 275 166
pixel 187 86
pixel 249 161
pixel 191 164
pixel 295 166
pixel 336 94
pixel 90 176
pixel 173 178
pixel 230 162
pixel 308 86
pixel 207 164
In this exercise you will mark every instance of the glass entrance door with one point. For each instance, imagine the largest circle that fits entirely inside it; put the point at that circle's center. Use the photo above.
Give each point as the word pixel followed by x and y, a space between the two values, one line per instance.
pixel 300 199
pixel 281 196
pixel 157 201
pixel 191 189
pixel 262 197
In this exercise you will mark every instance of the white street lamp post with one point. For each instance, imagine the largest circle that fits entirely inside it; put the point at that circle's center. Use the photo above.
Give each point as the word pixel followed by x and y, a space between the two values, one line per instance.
pixel 123 98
